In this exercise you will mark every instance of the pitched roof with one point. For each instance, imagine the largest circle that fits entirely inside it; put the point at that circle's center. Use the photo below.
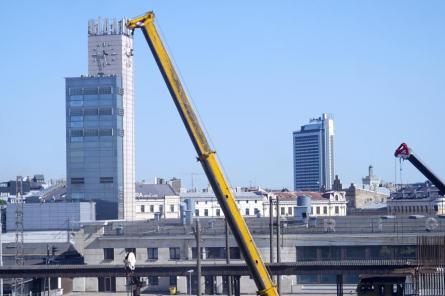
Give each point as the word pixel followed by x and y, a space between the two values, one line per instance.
pixel 154 190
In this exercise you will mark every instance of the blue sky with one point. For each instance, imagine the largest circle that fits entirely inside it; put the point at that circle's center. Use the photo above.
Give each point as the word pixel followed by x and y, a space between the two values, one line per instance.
pixel 256 70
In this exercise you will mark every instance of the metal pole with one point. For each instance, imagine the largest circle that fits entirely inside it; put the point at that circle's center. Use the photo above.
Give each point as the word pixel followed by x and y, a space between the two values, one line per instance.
pixel 1 256
pixel 278 245
pixel 198 256
pixel 190 283
pixel 229 285
pixel 271 229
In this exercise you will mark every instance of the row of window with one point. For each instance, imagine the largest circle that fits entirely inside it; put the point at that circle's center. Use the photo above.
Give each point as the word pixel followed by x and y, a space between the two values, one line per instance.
pixel 175 253
pixel 79 91
pixel 218 212
pixel 102 180
pixel 92 132
pixel 325 210
pixel 77 113
pixel 152 208
pixel 412 209
pixel 108 284
pixel 238 201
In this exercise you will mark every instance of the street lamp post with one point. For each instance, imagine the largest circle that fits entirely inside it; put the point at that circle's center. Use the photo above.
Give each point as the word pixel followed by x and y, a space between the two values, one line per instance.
pixel 190 280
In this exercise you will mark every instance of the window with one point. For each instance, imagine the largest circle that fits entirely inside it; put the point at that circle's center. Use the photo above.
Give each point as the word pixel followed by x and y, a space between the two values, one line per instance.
pixel 173 281
pixel 175 253
pixel 106 180
pixel 108 254
pixel 133 250
pixel 436 208
pixel 90 132
pixel 318 210
pixel 76 133
pixel 256 201
pixel 105 90
pixel 215 252
pixel 92 111
pixel 152 253
pixel 107 284
pixel 105 132
pixel 235 253
pixel 336 210
pixel 206 212
pixel 172 208
pixel 142 209
pixel 282 210
pixel 195 254
pixel 153 280
pixel 218 212
pixel 152 208
pixel 106 111
pixel 197 213
pixel 76 118
pixel 77 180
pixel 247 212
pixel 325 210
pixel 289 210
pixel 161 209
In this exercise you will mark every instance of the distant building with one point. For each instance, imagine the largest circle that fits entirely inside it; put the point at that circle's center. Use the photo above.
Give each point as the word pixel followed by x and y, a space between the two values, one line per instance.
pixel 370 180
pixel 100 123
pixel 29 184
pixel 363 196
pixel 329 203
pixel 173 182
pixel 418 198
pixel 51 215
pixel 156 199
pixel 205 204
pixel 368 198
pixel 313 150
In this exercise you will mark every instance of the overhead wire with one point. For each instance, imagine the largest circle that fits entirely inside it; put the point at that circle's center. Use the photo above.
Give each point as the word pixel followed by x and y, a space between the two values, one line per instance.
pixel 188 93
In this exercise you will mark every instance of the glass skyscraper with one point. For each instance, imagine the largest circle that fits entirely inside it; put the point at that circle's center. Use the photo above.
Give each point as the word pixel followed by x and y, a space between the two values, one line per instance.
pixel 100 123
pixel 313 149
pixel 94 135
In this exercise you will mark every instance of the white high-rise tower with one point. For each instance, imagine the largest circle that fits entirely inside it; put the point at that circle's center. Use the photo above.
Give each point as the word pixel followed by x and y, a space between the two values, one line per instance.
pixel 313 147
pixel 110 52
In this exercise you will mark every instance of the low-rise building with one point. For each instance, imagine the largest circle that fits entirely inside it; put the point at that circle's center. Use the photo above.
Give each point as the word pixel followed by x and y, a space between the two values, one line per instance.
pixel 205 204
pixel 156 199
pixel 51 215
pixel 329 203
pixel 359 196
pixel 419 198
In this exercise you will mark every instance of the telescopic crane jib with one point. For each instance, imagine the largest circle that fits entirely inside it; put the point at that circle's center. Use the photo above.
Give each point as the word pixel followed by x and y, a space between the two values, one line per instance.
pixel 206 156
pixel 405 152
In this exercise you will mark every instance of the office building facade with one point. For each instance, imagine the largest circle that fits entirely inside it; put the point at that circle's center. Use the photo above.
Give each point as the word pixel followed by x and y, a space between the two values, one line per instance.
pixel 100 123
pixel 313 154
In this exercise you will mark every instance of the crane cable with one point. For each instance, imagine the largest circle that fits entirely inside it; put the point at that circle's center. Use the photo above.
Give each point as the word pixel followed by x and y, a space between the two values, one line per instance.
pixel 187 91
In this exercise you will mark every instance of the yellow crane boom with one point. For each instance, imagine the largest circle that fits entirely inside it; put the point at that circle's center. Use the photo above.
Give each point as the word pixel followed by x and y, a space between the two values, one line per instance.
pixel 206 156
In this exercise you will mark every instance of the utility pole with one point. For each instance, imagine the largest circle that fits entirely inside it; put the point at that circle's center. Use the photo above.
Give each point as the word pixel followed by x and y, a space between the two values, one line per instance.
pixel 278 244
pixel 197 232
pixel 271 228
pixel 229 278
